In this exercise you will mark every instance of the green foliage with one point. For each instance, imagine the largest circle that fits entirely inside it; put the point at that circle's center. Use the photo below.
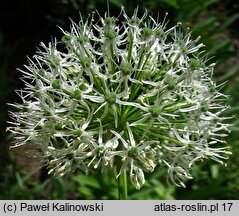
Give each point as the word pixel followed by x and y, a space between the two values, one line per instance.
pixel 5 77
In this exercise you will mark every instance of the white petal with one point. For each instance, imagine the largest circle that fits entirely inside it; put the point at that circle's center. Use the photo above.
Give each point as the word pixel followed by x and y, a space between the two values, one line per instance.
pixel 121 138
pixel 131 136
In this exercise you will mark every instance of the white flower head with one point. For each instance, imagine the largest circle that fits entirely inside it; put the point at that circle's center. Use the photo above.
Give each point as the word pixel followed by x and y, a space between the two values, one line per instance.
pixel 124 87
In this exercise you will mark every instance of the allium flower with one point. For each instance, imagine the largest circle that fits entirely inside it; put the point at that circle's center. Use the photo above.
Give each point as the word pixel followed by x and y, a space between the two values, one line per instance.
pixel 126 92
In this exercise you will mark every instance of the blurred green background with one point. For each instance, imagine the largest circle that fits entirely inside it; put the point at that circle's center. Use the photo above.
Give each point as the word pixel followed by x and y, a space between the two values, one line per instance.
pixel 25 23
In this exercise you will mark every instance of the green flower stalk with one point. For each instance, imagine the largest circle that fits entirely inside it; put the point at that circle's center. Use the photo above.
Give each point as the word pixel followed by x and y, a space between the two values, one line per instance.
pixel 125 92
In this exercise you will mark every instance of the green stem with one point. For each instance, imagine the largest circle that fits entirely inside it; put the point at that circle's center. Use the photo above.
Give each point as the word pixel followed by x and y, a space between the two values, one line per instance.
pixel 122 186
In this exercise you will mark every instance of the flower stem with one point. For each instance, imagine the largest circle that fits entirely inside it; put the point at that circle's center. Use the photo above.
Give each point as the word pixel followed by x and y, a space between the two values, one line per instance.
pixel 122 186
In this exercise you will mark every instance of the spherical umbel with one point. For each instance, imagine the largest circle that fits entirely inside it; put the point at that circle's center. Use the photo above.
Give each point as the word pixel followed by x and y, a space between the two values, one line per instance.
pixel 127 88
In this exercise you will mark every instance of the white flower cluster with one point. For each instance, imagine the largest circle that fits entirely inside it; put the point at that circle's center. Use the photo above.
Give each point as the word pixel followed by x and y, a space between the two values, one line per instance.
pixel 124 92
